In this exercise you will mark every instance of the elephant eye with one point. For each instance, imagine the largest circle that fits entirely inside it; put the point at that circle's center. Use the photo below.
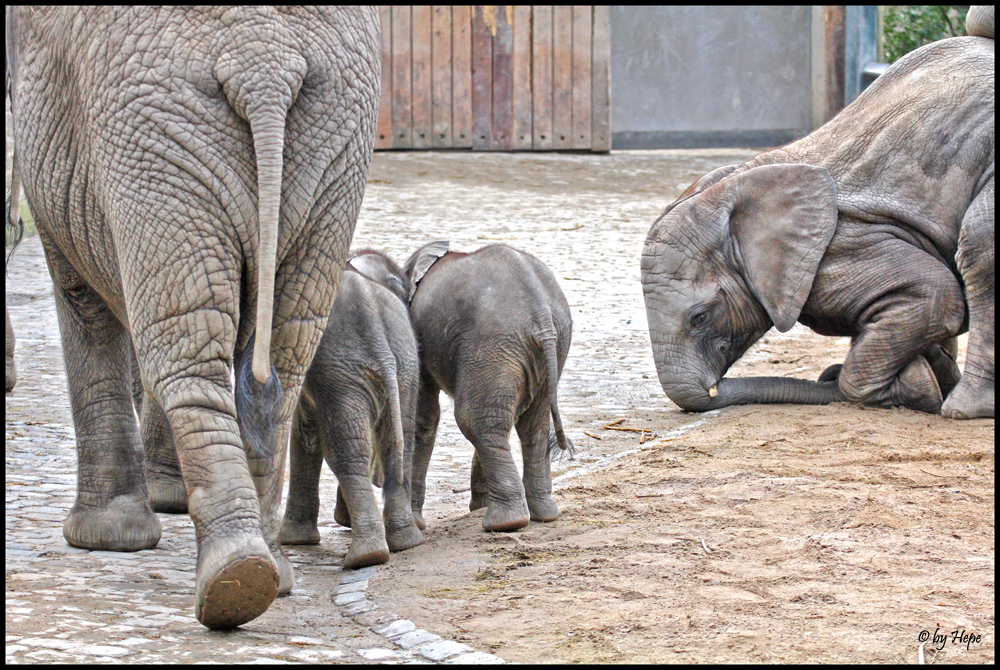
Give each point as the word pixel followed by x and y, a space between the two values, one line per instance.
pixel 698 318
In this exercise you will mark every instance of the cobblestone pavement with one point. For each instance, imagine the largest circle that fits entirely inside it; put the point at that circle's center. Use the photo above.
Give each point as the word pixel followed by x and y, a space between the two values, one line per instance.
pixel 584 215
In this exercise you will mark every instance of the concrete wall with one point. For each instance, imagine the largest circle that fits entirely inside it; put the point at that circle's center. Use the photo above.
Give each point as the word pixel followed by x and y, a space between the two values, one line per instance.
pixel 710 76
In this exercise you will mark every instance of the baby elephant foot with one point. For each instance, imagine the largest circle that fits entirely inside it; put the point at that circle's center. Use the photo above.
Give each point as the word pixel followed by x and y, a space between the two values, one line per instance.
pixel 543 509
pixel 298 532
pixel 945 368
pixel 366 551
pixel 832 373
pixel 400 539
pixel 286 571
pixel 971 399
pixel 126 524
pixel 504 516
pixel 917 388
pixel 341 515
pixel 167 493
pixel 479 500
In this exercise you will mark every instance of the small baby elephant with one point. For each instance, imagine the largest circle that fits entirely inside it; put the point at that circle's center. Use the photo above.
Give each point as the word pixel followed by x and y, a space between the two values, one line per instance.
pixel 357 405
pixel 494 331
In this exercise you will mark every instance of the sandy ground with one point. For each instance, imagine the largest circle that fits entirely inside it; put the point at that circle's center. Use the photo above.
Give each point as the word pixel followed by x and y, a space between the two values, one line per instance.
pixel 755 533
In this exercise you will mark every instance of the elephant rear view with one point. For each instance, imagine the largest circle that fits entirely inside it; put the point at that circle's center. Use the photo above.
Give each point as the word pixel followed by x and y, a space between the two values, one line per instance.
pixel 494 331
pixel 185 166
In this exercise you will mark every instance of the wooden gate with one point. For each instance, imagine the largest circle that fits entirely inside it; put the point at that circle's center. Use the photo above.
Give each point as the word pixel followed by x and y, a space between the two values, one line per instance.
pixel 498 78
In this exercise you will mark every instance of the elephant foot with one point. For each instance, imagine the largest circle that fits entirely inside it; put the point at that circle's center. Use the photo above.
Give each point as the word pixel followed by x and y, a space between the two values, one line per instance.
pixel 504 518
pixel 286 572
pixel 543 509
pixel 917 388
pixel 298 532
pixel 236 583
pixel 479 500
pixel 971 399
pixel 400 539
pixel 945 368
pixel 341 515
pixel 364 552
pixel 167 493
pixel 831 374
pixel 124 525
pixel 418 519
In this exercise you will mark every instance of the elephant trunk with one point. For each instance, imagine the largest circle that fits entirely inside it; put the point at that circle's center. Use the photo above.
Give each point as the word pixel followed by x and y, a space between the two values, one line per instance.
pixel 696 392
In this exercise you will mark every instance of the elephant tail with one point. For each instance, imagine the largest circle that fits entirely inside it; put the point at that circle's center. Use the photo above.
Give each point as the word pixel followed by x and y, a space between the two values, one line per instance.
pixel 396 416
pixel 261 88
pixel 548 341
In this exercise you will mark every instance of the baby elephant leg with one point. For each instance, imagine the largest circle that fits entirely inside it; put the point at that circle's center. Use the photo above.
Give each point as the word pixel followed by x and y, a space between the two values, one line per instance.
pixel 533 431
pixel 485 415
pixel 306 461
pixel 973 397
pixel 900 356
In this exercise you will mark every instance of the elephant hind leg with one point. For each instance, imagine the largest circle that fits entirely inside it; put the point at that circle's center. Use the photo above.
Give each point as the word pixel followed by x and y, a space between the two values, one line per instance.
pixel 973 397
pixel 484 411
pixel 533 431
pixel 112 509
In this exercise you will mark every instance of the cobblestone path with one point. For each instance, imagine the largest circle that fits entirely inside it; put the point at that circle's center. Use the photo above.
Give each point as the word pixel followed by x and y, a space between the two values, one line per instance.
pixel 584 216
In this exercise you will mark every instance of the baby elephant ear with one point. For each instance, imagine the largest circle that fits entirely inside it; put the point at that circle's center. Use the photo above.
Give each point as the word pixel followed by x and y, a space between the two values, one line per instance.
pixel 781 222
pixel 422 260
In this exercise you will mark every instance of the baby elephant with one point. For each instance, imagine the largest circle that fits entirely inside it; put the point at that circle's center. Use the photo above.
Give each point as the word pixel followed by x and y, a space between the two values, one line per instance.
pixel 358 404
pixel 494 330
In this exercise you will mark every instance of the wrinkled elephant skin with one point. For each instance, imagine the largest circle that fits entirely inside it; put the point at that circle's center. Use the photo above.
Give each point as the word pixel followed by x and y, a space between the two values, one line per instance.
pixel 878 226
pixel 358 408
pixel 182 175
pixel 494 331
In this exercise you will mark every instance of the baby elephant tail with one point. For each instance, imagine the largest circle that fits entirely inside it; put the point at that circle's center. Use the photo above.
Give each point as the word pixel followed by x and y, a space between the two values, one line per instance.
pixel 552 367
pixel 396 416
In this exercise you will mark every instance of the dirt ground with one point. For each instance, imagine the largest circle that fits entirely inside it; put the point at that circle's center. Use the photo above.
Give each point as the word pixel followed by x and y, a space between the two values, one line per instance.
pixel 764 534
pixel 749 534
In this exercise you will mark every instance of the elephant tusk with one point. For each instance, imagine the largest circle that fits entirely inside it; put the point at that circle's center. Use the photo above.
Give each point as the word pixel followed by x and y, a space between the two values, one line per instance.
pixel 712 392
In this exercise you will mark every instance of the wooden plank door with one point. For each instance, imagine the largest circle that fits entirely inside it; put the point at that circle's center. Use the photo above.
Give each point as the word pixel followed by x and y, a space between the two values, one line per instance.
pixel 495 78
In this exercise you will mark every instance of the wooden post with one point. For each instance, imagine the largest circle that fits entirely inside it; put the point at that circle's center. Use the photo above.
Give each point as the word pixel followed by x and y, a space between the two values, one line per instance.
pixel 835 62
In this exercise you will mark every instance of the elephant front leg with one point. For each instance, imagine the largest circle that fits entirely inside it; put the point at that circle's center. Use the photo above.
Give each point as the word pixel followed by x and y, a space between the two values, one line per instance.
pixel 973 397
pixel 112 509
pixel 306 461
pixel 897 357
pixel 163 469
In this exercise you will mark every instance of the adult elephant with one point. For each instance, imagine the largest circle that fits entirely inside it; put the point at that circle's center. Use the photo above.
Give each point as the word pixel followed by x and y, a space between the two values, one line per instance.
pixel 195 176
pixel 871 227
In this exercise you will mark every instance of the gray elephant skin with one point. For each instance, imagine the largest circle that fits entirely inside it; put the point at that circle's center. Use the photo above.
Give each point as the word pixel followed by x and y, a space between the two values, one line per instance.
pixel 195 176
pixel 878 226
pixel 357 409
pixel 494 331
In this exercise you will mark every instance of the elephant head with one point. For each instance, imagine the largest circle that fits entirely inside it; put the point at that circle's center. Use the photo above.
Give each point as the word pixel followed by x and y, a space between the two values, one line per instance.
pixel 734 255
pixel 379 268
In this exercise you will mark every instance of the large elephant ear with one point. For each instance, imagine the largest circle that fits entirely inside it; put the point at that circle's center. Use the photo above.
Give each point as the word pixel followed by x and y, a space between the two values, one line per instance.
pixel 421 261
pixel 781 220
